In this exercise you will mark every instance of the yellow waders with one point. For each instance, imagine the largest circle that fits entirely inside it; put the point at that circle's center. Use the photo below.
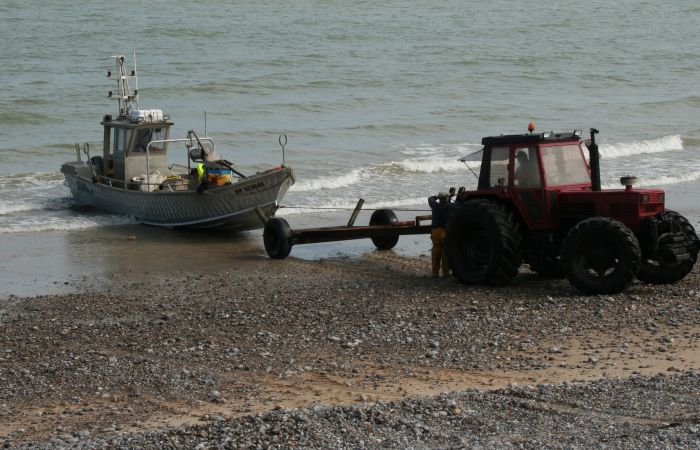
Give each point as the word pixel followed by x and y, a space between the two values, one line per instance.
pixel 437 235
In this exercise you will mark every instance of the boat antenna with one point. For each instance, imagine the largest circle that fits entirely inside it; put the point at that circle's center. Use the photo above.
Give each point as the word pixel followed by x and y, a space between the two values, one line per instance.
pixel 128 101
pixel 136 75
pixel 205 124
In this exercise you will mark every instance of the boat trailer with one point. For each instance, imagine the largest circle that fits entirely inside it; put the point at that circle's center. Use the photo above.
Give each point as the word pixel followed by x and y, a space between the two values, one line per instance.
pixel 384 230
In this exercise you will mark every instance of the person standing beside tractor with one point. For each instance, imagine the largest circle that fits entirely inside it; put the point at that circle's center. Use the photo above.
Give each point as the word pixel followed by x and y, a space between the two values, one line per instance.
pixel 440 206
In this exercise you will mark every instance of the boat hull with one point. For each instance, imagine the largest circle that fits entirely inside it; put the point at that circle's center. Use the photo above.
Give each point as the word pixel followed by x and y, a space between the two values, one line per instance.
pixel 232 206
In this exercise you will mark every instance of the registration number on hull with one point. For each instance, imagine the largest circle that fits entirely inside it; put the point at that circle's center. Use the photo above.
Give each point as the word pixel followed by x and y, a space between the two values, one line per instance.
pixel 251 187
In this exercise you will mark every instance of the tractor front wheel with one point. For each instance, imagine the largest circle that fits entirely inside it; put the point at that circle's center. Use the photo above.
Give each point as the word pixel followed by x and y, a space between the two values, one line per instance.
pixel 483 243
pixel 600 256
pixel 667 267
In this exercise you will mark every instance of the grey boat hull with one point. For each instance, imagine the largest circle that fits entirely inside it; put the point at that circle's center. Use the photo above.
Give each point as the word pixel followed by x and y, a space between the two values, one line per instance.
pixel 232 206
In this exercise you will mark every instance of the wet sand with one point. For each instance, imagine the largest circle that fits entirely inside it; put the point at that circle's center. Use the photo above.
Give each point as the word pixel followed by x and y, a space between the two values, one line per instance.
pixel 57 262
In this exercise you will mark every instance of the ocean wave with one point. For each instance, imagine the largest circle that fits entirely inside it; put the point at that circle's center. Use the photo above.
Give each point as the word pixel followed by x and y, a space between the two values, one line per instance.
pixel 26 118
pixel 41 224
pixel 455 149
pixel 659 145
pixel 414 203
pixel 672 179
pixel 419 203
pixel 12 208
pixel 436 158
pixel 660 181
pixel 32 192
pixel 330 182
pixel 424 165
pixel 36 179
pixel 430 160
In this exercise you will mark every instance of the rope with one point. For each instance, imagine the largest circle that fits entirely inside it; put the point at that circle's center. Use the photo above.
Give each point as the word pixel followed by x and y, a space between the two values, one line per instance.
pixel 347 209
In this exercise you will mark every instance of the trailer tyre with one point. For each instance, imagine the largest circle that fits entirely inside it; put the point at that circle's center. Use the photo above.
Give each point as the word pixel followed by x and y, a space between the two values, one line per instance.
pixel 277 237
pixel 600 256
pixel 484 243
pixel 666 268
pixel 384 217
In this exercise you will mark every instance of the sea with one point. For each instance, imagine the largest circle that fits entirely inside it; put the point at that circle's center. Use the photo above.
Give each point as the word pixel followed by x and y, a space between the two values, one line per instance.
pixel 378 100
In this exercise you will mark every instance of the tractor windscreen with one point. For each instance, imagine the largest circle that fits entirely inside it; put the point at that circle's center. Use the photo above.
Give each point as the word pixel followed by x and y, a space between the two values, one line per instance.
pixel 564 164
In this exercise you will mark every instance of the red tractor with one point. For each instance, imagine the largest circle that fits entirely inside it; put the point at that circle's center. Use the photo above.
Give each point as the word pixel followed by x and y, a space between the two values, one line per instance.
pixel 538 200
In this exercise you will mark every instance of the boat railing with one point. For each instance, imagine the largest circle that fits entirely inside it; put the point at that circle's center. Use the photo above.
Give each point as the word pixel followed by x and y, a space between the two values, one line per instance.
pixel 188 144
pixel 125 184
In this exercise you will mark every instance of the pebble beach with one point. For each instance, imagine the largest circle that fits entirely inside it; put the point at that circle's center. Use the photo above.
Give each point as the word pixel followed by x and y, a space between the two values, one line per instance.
pixel 364 352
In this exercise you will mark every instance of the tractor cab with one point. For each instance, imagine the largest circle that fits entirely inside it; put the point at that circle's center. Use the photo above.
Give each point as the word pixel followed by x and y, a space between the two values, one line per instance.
pixel 550 181
pixel 537 161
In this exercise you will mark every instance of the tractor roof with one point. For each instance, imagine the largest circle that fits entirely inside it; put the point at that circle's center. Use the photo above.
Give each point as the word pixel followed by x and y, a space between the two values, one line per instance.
pixel 549 136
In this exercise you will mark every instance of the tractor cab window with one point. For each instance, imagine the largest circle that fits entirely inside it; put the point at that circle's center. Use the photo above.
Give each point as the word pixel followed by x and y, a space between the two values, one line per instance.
pixel 564 164
pixel 146 135
pixel 499 166
pixel 527 169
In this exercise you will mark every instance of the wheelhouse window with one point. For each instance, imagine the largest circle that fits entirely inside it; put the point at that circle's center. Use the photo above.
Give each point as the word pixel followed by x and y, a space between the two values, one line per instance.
pixel 564 164
pixel 499 166
pixel 146 135
pixel 121 140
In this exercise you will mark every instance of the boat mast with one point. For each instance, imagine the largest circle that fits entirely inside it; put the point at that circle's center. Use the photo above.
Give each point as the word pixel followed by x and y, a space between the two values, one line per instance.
pixel 128 101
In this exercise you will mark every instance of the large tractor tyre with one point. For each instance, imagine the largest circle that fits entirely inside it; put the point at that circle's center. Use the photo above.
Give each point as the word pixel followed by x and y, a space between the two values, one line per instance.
pixel 600 256
pixel 277 237
pixel 546 265
pixel 483 243
pixel 384 217
pixel 667 268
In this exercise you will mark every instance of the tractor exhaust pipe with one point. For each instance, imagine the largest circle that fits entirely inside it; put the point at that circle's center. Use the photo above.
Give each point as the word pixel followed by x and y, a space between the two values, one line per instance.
pixel 595 161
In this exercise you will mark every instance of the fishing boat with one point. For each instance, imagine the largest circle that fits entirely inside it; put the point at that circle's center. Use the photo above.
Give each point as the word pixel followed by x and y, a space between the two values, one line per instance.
pixel 132 175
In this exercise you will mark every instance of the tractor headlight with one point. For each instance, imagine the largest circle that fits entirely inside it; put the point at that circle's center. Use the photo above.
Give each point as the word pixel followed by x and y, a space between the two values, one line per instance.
pixel 645 198
pixel 662 197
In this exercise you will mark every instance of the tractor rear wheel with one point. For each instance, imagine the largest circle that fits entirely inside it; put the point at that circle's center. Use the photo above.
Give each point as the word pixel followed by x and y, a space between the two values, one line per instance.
pixel 666 267
pixel 483 243
pixel 600 256
pixel 277 237
pixel 384 217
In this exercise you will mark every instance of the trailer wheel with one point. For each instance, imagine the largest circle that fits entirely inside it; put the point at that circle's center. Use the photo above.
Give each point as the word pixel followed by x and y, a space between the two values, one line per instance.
pixel 666 268
pixel 484 243
pixel 600 256
pixel 277 237
pixel 384 217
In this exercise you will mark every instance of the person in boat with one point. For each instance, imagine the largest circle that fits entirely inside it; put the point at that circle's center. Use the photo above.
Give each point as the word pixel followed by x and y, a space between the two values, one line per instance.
pixel 440 206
